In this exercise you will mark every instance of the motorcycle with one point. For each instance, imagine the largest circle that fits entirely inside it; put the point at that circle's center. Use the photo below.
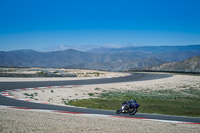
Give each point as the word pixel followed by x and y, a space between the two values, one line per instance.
pixel 130 108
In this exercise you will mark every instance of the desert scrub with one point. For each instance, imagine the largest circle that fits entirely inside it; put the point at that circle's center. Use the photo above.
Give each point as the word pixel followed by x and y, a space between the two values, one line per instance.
pixel 65 101
pixel 42 73
pixel 97 88
pixel 91 94
pixel 31 95
pixel 170 102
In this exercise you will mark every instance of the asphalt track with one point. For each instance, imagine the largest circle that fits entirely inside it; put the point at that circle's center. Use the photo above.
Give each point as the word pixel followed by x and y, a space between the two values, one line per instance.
pixel 132 78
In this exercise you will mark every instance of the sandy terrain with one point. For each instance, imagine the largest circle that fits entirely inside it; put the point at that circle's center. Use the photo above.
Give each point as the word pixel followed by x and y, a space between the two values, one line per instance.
pixel 12 121
pixel 59 95
pixel 81 74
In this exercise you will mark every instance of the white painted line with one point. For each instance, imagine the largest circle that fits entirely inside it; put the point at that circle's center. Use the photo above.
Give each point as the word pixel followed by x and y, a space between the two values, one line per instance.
pixel 29 88
pixel 100 115
pixel 42 87
pixel 5 106
pixel 170 121
pixel 55 86
pixel 17 89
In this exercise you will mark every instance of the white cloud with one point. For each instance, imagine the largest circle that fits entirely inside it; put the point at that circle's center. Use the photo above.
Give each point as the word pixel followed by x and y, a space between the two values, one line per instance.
pixel 59 47
pixel 112 46
pixel 62 47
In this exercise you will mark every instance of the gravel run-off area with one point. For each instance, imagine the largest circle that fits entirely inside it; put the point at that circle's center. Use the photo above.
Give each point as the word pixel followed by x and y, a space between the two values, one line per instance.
pixel 13 121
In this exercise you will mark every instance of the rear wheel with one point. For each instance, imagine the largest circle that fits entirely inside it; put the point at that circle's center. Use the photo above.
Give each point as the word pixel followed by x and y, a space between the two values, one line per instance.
pixel 134 110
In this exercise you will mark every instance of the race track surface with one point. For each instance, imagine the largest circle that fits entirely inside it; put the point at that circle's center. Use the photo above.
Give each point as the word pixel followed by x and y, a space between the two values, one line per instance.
pixel 132 78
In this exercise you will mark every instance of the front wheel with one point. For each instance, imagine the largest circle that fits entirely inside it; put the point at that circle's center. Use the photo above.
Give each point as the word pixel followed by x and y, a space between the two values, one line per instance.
pixel 119 111
pixel 134 110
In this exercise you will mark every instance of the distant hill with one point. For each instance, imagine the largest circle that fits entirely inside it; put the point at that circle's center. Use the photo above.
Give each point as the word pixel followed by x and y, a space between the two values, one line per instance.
pixel 166 53
pixel 147 49
pixel 191 65
pixel 75 59
pixel 111 59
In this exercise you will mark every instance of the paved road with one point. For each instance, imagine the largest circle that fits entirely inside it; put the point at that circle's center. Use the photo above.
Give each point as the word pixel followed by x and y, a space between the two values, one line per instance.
pixel 135 77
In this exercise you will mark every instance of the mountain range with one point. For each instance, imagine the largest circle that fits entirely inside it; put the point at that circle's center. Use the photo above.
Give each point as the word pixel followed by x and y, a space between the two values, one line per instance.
pixel 189 65
pixel 111 59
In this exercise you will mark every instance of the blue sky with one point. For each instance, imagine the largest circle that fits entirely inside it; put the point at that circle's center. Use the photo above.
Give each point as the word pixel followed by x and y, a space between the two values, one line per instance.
pixel 48 25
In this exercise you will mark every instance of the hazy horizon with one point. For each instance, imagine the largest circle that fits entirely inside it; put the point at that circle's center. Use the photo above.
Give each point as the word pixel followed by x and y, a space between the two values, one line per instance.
pixel 79 48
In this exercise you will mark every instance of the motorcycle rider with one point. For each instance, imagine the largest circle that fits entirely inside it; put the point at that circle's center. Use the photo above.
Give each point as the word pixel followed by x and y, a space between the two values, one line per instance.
pixel 133 102
pixel 129 107
pixel 130 103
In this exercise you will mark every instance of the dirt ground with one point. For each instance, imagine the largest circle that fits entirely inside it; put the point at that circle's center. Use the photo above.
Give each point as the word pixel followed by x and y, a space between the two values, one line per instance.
pixel 17 121
pixel 59 95
pixel 81 75
pixel 12 120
